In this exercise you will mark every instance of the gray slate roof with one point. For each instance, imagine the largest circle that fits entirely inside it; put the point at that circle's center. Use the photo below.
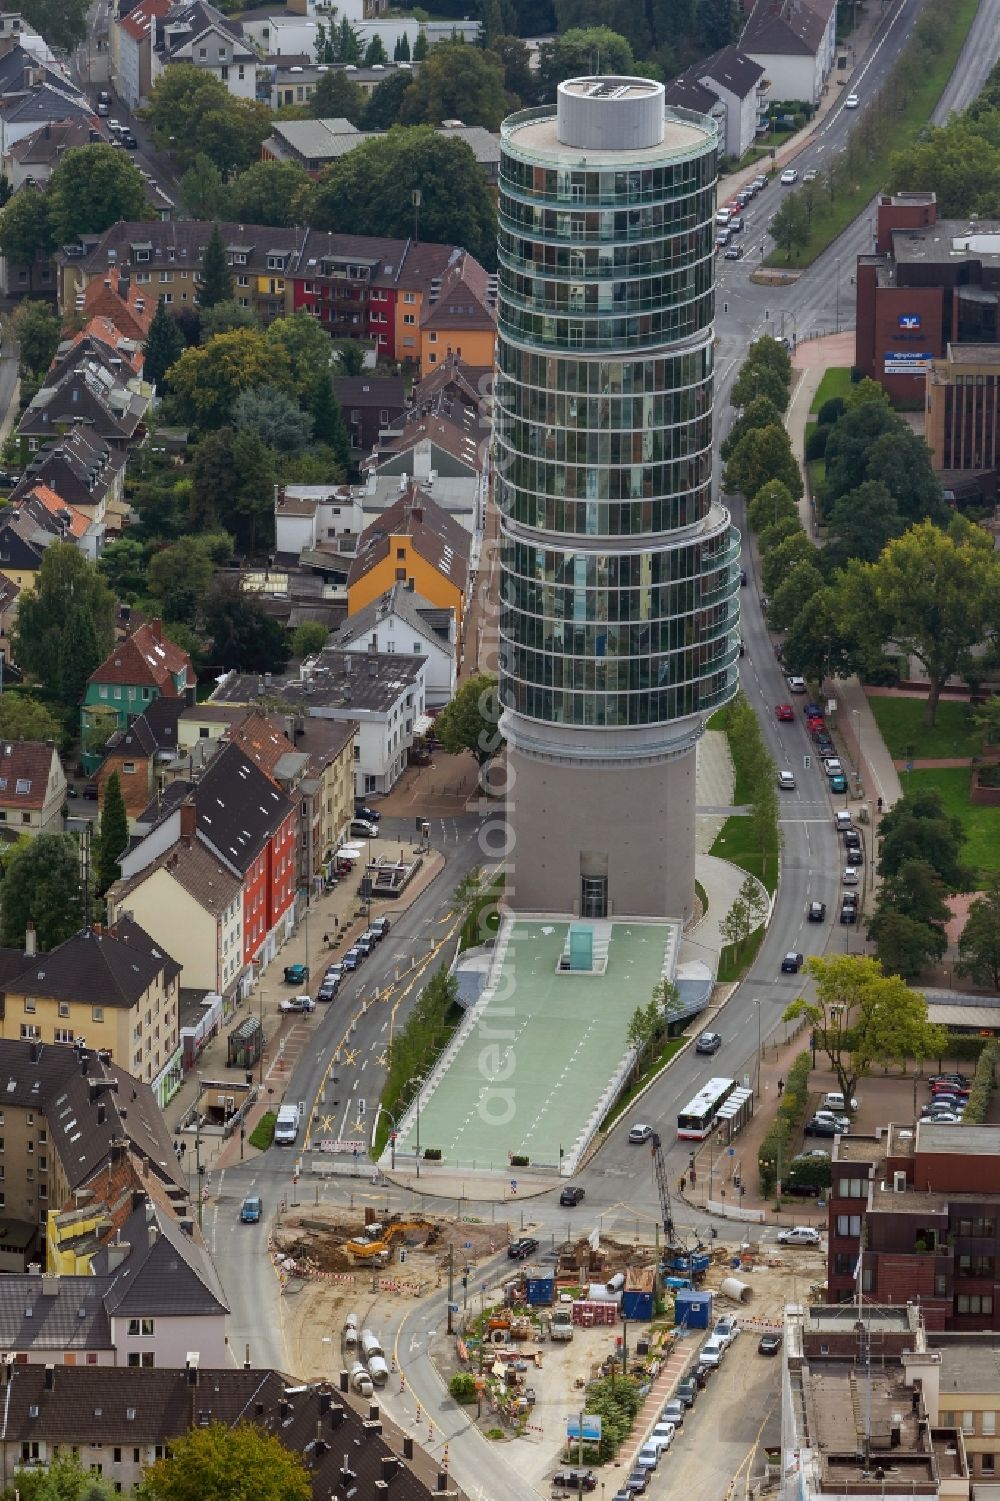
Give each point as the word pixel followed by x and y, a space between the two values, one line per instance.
pixel 64 1313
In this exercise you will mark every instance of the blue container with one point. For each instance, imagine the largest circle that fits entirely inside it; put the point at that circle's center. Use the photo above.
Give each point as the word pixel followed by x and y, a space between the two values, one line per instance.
pixel 541 1287
pixel 693 1309
pixel 637 1304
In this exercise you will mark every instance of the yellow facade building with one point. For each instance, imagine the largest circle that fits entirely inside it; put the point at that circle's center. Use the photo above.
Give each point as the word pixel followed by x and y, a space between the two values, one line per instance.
pixel 415 543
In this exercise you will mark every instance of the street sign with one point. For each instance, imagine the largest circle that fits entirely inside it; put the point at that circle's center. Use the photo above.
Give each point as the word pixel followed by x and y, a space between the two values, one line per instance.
pixel 513 1185
pixel 453 1308
pixel 591 1427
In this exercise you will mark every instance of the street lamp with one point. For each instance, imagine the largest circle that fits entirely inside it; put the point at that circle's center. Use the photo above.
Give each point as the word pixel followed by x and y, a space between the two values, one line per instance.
pixel 260 1019
pixel 758 1005
pixel 420 1081
pixel 856 716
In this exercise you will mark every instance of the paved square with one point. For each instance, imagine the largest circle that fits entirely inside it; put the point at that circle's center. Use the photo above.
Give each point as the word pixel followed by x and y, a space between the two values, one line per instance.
pixel 533 1063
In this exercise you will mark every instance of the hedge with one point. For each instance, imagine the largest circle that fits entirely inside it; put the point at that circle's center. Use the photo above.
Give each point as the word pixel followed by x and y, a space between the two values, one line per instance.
pixel 983 1085
pixel 788 1118
pixel 816 442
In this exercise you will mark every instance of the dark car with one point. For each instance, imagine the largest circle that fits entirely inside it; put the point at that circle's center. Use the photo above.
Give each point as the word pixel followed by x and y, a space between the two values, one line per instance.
pixel 90 792
pixel 520 1250
pixel 576 1480
pixel 700 1374
pixel 733 253
pixel 816 911
pixel 687 1392
pixel 328 989
pixel 812 711
pixel 743 578
pixel 708 1042
pixel 296 974
pixel 637 1482
pixel 852 840
pixel 769 1344
pixel 572 1195
pixel 353 958
pixel 129 141
pixel 791 964
pixel 819 1126
pixel 370 815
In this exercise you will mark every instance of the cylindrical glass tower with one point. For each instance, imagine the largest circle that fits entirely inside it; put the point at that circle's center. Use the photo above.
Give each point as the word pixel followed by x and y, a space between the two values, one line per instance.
pixel 620 579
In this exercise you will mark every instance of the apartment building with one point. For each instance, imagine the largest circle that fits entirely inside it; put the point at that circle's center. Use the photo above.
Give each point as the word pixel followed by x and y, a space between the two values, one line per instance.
pixel 32 788
pixel 195 32
pixel 415 543
pixel 144 666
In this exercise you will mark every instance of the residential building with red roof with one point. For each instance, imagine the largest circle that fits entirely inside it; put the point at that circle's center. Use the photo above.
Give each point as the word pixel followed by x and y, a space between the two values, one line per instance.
pixel 32 788
pixel 132 39
pixel 146 665
pixel 459 317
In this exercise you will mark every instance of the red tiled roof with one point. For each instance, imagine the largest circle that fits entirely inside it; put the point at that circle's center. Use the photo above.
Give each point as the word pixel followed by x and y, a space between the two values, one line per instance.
pixel 54 504
pixel 102 297
pixel 106 330
pixel 25 768
pixel 146 657
pixel 464 300
pixel 139 21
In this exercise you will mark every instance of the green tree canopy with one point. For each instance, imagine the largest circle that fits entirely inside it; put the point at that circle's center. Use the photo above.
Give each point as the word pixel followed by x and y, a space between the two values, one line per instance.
pixel 337 96
pixel 304 345
pixel 180 575
pixel 123 564
pixel 760 412
pixel 227 1464
pixel 267 192
pixel 113 835
pixel 370 191
pixel 979 945
pixel 863 521
pixel 192 113
pixel 216 280
pixel 309 638
pixel 243 635
pixel 68 593
pixel 37 329
pixel 581 50
pixel 233 487
pixel 382 108
pixel 163 347
pixel 42 884
pixel 848 445
pixel 203 190
pixel 771 503
pixel 25 226
pixel 918 827
pixel 796 591
pixel 457 82
pixel 904 946
pixel 91 188
pixel 63 1478
pixel 23 717
pixel 223 317
pixel 469 722
pixel 62 23
pixel 205 382
pixel 780 561
pixel 275 417
pixel 759 381
pixel 763 454
pixel 933 594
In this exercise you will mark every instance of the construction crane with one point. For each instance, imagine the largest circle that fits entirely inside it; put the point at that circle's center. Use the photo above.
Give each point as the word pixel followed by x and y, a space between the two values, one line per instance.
pixel 663 1189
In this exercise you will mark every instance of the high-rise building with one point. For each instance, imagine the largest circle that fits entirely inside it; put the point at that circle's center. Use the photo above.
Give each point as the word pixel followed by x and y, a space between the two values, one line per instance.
pixel 620 576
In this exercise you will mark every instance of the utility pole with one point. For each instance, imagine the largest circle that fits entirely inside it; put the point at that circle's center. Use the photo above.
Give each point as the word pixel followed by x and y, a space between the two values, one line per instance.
pixel 451 1286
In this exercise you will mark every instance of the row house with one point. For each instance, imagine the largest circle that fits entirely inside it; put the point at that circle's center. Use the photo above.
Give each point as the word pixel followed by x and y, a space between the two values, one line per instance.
pixel 357 286
pixel 31 523
pixel 86 393
pixel 32 788
pixel 132 37
pixel 198 34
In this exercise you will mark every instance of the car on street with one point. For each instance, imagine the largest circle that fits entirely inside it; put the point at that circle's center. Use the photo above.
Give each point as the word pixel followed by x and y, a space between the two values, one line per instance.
pixel 733 253
pixel 833 1118
pixel 796 685
pixel 832 765
pixel 784 712
pixel 663 1435
pixel 298 1003
pixel 726 1329
pixel 673 1412
pixel 816 725
pixel 760 182
pixel 380 926
pixel 708 1042
pixel 842 821
pixel 852 843
pixel 769 1344
pixel 251 1210
pixel 711 1353
pixel 743 578
pixel 115 127
pixel 370 815
pixel 838 782
pixel 816 911
pixel 352 959
pixel 522 1248
pixel 575 1480
pixel 788 177
pixel 852 101
pixel 736 224
pixel 791 964
pixel 687 1392
pixel 786 781
pixel 810 174
pixel 129 141
pixel 721 240
pixel 640 1132
pixel 946 1118
pixel 362 828
pixel 637 1482
pixel 648 1456
pixel 329 987
pixel 811 710
pixel 848 912
pixel 571 1196
pixel 850 876
pixel 104 103
pixel 296 974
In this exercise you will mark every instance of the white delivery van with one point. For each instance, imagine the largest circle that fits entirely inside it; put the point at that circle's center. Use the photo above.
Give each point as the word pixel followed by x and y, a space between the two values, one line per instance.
pixel 286 1128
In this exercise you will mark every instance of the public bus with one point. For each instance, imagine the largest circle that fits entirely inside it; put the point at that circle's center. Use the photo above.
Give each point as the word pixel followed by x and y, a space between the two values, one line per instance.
pixel 697 1118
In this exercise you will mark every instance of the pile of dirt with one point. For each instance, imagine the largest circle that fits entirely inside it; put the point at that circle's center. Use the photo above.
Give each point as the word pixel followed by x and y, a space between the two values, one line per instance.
pixel 319 1238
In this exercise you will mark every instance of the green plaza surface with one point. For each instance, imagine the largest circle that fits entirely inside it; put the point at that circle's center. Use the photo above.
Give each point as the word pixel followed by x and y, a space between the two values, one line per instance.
pixel 533 1064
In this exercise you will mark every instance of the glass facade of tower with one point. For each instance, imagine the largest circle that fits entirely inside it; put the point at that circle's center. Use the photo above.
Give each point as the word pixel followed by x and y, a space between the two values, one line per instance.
pixel 619 601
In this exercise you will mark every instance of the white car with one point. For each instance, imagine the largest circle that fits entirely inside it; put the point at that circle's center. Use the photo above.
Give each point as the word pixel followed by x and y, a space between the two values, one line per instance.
pixel 298 1003
pixel 832 767
pixel 640 1133
pixel 799 1235
pixel 850 876
pixel 796 685
pixel 726 1330
pixel 786 781
pixel 852 101
pixel 662 1436
pixel 648 1457
pixel 788 177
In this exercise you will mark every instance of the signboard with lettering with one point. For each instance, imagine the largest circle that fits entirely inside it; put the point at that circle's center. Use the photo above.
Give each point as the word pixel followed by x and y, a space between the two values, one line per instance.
pixel 907 361
pixel 328 1144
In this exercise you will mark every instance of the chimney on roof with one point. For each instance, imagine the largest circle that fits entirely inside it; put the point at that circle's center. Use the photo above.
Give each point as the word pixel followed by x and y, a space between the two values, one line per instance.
pixel 30 941
pixel 36 1051
pixel 191 1367
pixel 189 821
pixel 152 1231
pixel 102 1113
pixel 50 1378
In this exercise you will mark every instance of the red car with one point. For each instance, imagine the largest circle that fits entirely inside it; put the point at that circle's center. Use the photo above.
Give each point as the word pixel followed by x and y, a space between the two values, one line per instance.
pixel 816 724
pixel 784 711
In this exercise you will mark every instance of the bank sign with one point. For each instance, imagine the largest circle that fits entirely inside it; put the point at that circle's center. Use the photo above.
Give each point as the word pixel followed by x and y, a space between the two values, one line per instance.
pixel 907 361
pixel 909 321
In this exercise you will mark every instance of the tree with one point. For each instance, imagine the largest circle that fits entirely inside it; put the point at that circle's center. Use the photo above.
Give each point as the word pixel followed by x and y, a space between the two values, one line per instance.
pixel 375 53
pixel 223 318
pixel 519 77
pixel 23 717
pixel 25 226
pixel 79 652
pixel 62 23
pixel 275 417
pixel 762 454
pixel 179 576
pixel 216 279
pixel 63 1478
pixel 901 461
pixel 760 412
pixel 863 1017
pixel 37 329
pixel 206 382
pixel 421 47
pixel 243 635
pixel 816 646
pixel 979 945
pixel 916 889
pixel 113 836
pixel 904 946
pixel 864 521
pixel 795 593
pixel 203 192
pixel 718 23
pixel 918 827
pixel 42 884
pixel 470 721
pixel 92 188
pixel 180 96
pixel 773 502
pixel 457 82
pixel 163 347
pixel 233 487
pixel 309 638
pixel 935 595
pixel 849 443
pixel 779 531
pixel 745 915
pixel 123 564
pixel 304 346
pixel 780 561
pixel 232 136
pixel 227 1463
pixel 370 189
pixel 348 43
pixel 401 51
pixel 267 192
pixel 328 421
pixel 381 110
pixel 759 382
pixel 338 97
pixel 789 228
pixel 67 589
pixel 583 50
pixel 349 357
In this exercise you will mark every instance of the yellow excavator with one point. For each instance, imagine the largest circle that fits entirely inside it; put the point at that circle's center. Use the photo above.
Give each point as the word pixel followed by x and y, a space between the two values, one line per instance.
pixel 380 1238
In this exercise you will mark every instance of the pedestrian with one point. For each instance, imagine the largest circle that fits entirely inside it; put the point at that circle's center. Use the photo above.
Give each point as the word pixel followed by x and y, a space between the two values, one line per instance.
pixel 694 1177
pixel 683 1183
pixel 880 805
pixel 781 1088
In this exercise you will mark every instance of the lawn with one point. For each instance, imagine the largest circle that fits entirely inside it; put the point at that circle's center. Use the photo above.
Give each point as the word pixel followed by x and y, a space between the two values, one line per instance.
pixel 670 1047
pixel 736 842
pixel 734 963
pixel 836 382
pixel 262 1134
pixel 982 825
pixel 899 720
pixel 831 219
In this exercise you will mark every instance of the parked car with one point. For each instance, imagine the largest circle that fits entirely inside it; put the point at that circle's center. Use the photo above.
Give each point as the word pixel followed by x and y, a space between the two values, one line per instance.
pixel 726 1329
pixel 850 876
pixel 852 841
pixel 708 1042
pixel 251 1210
pixel 823 1123
pixel 769 1344
pixel 129 141
pixel 810 174
pixel 571 1196
pixel 104 103
pixel 673 1412
pixel 832 766
pixel 848 914
pixel 640 1132
pixel 296 974
pixel 838 783
pixel 842 821
pixel 298 1003
pixel 852 101
pixel 328 989
pixel 370 815
pixel 663 1436
pixel 743 578
pixel 575 1480
pixel 637 1482
pixel 522 1248
pixel 816 911
pixel 352 959
pixel 786 781
pixel 363 828
pixel 711 1353
pixel 648 1456
pixel 687 1392
pixel 380 926
pixel 796 685
pixel 788 177
pixel 791 964
pixel 798 1235
pixel 784 712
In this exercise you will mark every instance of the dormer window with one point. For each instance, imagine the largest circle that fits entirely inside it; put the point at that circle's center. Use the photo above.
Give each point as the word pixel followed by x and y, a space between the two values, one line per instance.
pixel 276 263
pixel 142 255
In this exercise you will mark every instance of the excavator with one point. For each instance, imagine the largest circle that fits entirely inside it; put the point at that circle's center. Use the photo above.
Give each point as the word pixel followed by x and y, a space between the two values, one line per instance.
pixel 384 1237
